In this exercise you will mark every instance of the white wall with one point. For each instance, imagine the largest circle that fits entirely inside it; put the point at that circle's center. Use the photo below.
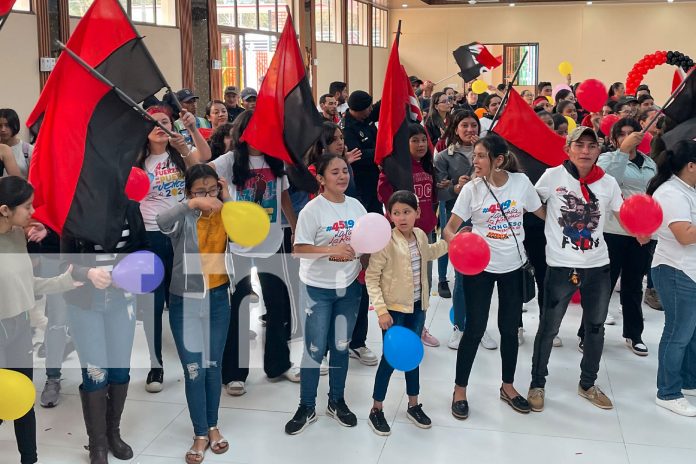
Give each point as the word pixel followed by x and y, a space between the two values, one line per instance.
pixel 330 66
pixel 358 68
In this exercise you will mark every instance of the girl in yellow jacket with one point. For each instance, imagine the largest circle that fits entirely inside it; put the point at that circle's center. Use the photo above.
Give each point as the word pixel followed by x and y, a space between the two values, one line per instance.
pixel 398 287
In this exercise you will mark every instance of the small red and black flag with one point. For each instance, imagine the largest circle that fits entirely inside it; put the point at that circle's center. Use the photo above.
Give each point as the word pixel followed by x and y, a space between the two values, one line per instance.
pixel 683 107
pixel 89 138
pixel 391 149
pixel 536 146
pixel 286 122
pixel 474 58
pixel 5 10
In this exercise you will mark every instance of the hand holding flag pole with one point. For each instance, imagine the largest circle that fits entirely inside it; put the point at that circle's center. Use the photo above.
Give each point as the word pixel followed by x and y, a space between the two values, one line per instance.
pixel 669 100
pixel 509 87
pixel 122 95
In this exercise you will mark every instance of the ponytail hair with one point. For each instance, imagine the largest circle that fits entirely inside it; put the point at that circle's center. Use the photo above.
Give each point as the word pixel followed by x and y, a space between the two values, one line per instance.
pixel 496 146
pixel 671 162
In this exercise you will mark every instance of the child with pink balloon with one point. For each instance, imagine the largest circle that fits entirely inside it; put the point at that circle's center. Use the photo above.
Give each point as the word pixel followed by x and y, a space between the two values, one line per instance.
pixel 398 287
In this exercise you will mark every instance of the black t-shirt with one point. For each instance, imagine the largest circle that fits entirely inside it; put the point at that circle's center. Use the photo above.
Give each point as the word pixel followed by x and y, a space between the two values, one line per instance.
pixel 232 113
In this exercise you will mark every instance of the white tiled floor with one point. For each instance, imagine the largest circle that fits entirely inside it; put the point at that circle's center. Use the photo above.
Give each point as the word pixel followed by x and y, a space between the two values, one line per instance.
pixel 570 430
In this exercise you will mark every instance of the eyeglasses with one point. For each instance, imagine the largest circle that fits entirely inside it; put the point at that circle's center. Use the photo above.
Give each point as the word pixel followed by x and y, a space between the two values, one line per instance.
pixel 210 193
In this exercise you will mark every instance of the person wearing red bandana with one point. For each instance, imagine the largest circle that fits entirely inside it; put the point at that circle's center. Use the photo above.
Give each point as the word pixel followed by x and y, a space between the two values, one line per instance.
pixel 579 198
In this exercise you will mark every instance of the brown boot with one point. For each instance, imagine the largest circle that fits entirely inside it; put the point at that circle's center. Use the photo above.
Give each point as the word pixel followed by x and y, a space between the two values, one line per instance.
pixel 94 412
pixel 114 408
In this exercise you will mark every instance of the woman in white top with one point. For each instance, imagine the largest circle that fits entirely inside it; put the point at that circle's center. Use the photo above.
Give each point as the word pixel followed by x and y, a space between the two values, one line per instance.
pixel 9 135
pixel 674 275
pixel 495 201
pixel 491 105
pixel 165 160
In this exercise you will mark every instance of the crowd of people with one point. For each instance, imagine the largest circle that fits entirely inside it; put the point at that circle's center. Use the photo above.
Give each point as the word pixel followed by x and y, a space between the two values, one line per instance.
pixel 563 228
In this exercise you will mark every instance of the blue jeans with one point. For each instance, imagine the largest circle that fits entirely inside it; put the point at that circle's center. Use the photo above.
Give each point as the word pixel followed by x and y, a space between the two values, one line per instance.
pixel 103 336
pixel 676 368
pixel 329 321
pixel 56 336
pixel 199 327
pixel 415 322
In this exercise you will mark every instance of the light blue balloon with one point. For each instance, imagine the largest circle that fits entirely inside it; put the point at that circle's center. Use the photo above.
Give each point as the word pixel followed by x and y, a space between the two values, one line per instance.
pixel 403 348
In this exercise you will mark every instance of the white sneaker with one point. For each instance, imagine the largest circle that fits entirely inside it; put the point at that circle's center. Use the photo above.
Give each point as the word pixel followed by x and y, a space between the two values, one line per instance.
pixel 235 388
pixel 520 336
pixel 455 338
pixel 610 320
pixel 679 406
pixel 617 287
pixel 364 355
pixel 689 392
pixel 324 368
pixel 292 374
pixel 487 342
pixel 557 342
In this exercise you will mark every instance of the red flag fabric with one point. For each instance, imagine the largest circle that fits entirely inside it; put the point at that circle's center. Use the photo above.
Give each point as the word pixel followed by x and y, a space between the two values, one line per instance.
pixel 89 138
pixel 5 9
pixel 285 122
pixel 537 146
pixel 474 58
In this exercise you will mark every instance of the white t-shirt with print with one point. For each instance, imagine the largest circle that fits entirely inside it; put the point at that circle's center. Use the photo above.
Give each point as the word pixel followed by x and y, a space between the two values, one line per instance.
pixel 678 202
pixel 262 188
pixel 575 228
pixel 166 188
pixel 324 223
pixel 516 196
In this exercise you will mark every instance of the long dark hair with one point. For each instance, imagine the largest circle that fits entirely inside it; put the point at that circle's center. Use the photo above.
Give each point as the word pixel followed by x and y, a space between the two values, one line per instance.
pixel 563 104
pixel 240 170
pixel 427 160
pixel 620 124
pixel 614 87
pixel 489 99
pixel 561 94
pixel 495 145
pixel 671 162
pixel 326 138
pixel 325 159
pixel 433 114
pixel 217 140
pixel 14 191
pixel 174 154
pixel 450 135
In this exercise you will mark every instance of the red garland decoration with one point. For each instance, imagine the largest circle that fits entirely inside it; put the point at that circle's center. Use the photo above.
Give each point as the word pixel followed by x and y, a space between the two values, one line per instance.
pixel 648 62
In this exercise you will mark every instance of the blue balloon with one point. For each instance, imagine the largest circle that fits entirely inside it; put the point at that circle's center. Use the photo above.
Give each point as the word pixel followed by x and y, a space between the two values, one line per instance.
pixel 139 273
pixel 452 315
pixel 403 348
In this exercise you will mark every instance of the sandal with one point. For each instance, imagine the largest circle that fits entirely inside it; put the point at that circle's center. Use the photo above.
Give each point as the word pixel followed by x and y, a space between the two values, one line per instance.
pixel 193 456
pixel 220 446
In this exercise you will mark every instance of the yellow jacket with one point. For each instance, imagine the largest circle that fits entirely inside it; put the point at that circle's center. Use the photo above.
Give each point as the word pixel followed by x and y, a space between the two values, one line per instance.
pixel 389 277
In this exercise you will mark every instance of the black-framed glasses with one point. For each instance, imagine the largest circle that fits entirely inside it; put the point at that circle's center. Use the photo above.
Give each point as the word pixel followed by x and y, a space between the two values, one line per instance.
pixel 214 192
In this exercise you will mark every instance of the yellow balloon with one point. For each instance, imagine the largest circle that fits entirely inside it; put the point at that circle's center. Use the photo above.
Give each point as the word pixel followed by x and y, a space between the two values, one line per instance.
pixel 565 68
pixel 571 124
pixel 246 223
pixel 550 99
pixel 479 87
pixel 17 395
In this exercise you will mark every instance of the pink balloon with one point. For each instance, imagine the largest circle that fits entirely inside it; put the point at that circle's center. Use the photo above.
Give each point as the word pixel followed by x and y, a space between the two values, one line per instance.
pixel 558 88
pixel 371 233
pixel 644 146
pixel 575 299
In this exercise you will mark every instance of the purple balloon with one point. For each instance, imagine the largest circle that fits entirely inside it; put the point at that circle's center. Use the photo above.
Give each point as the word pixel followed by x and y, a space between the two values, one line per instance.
pixel 140 272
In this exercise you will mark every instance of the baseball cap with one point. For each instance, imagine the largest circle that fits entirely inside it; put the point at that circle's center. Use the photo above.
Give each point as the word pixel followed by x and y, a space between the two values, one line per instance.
pixel 232 89
pixel 248 93
pixel 625 100
pixel 415 80
pixel 579 132
pixel 185 95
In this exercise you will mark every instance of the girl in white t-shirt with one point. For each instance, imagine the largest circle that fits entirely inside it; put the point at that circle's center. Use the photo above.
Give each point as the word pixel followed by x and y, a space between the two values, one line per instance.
pixel 165 160
pixel 329 268
pixel 495 201
pixel 674 275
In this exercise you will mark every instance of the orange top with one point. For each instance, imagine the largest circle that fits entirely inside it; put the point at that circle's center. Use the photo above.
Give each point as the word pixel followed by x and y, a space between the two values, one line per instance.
pixel 212 245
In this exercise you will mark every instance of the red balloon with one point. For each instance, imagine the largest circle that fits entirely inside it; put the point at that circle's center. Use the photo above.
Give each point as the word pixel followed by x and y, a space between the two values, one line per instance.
pixel 592 94
pixel 644 146
pixel 575 299
pixel 469 253
pixel 607 122
pixel 138 184
pixel 641 215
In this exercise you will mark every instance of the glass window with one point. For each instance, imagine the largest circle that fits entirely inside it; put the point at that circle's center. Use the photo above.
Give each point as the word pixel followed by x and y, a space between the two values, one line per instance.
pixel 22 5
pixel 283 6
pixel 258 53
pixel 379 27
pixel 357 23
pixel 143 11
pixel 246 14
pixel 267 15
pixel 328 21
pixel 159 12
pixel 226 13
pixel 512 55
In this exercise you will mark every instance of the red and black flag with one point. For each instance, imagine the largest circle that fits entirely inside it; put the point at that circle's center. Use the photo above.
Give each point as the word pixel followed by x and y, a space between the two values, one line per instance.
pixel 286 122
pixel 5 9
pixel 474 58
pixel 683 107
pixel 536 146
pixel 391 149
pixel 89 138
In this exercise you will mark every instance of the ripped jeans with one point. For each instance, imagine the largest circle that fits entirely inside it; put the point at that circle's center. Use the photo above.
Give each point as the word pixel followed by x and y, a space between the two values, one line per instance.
pixel 329 319
pixel 199 327
pixel 103 336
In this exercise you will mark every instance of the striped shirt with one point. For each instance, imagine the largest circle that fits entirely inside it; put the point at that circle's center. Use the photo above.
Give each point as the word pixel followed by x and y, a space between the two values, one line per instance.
pixel 416 269
pixel 106 260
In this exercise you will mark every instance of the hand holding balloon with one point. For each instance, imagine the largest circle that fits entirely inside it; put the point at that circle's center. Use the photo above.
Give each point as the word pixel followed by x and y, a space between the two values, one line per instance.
pixel 99 278
pixel 385 321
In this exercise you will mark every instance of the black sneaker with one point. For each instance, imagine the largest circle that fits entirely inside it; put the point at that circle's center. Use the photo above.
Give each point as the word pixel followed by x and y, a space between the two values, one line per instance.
pixel 460 409
pixel 155 380
pixel 638 347
pixel 378 423
pixel 302 418
pixel 443 290
pixel 339 411
pixel 418 417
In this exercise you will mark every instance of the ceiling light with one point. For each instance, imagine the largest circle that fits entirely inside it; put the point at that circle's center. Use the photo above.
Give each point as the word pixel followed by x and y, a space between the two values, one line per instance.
pixel 472 2
pixel 512 4
pixel 404 5
pixel 670 1
pixel 589 3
